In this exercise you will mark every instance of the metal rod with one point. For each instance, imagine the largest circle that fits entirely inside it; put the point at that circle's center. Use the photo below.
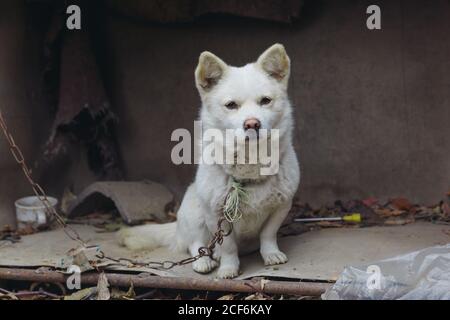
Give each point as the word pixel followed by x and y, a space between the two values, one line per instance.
pixel 318 219
pixel 150 281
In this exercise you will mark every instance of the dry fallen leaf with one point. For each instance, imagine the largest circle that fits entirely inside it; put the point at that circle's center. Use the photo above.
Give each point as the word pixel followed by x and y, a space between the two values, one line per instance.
pixel 117 294
pixel 82 294
pixel 8 296
pixel 109 227
pixel 446 209
pixel 395 221
pixel 26 230
pixel 130 293
pixel 256 296
pixel 227 297
pixel 263 283
pixel 103 288
pixel 329 224
pixel 77 256
pixel 67 199
pixel 389 212
pixel 401 204
pixel 370 201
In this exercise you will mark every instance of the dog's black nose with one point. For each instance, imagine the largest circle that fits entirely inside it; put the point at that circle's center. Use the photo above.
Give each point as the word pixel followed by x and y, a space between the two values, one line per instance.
pixel 252 123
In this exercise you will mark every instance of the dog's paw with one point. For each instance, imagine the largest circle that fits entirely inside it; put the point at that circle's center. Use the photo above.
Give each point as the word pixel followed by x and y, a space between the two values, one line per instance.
pixel 227 272
pixel 275 257
pixel 204 265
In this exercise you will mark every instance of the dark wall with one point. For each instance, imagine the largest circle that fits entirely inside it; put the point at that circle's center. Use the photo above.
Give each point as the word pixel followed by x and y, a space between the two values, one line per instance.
pixel 371 107
pixel 21 103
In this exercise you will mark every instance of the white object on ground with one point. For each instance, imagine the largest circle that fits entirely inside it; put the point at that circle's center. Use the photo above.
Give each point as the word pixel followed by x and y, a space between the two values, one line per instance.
pixel 419 275
pixel 30 211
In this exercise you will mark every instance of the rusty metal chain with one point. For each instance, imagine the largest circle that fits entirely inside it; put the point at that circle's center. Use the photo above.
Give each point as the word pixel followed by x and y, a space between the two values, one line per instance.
pixel 207 251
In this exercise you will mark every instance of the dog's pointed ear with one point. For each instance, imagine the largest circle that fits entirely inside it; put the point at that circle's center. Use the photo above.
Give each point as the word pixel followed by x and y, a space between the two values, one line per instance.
pixel 209 71
pixel 276 63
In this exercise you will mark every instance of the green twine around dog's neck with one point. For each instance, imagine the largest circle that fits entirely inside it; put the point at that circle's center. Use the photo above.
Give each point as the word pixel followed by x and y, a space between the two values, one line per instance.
pixel 236 197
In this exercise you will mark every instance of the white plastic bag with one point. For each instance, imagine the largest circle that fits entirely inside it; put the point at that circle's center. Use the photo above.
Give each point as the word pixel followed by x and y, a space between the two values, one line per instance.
pixel 423 274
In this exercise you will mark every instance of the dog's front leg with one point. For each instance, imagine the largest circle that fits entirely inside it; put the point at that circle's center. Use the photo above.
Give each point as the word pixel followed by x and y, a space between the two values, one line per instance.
pixel 229 259
pixel 270 252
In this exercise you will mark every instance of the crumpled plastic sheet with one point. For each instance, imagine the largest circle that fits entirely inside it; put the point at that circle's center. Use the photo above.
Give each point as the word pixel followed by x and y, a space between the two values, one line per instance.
pixel 419 275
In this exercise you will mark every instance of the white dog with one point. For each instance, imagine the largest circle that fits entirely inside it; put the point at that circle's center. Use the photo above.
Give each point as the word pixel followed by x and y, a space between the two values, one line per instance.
pixel 250 97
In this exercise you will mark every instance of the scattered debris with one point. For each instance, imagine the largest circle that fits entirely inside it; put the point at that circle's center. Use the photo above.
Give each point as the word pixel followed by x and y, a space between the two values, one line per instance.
pixel 103 288
pixel 67 199
pixel 9 234
pixel 227 297
pixel 83 294
pixel 83 257
pixel 129 295
pixel 257 296
pixel 104 221
pixel 396 211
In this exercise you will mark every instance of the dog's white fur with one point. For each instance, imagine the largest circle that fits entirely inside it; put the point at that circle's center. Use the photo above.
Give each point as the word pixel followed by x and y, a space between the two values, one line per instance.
pixel 270 197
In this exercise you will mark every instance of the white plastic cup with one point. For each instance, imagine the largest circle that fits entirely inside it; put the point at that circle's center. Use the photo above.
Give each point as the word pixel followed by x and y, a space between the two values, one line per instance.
pixel 31 212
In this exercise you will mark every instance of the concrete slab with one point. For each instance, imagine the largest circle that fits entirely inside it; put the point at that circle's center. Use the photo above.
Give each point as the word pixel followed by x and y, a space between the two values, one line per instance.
pixel 316 255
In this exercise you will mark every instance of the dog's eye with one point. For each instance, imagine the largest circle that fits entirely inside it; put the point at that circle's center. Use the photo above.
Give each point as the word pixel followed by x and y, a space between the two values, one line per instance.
pixel 265 100
pixel 231 105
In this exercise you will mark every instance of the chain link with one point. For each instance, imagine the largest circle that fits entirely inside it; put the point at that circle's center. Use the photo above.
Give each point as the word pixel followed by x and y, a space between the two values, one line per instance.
pixel 207 251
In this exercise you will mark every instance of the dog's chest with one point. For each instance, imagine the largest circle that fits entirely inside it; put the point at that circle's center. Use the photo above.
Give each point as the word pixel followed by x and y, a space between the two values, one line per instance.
pixel 263 200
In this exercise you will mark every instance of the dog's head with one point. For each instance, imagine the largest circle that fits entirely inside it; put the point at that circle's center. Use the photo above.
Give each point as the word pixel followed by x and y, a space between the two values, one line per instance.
pixel 250 97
